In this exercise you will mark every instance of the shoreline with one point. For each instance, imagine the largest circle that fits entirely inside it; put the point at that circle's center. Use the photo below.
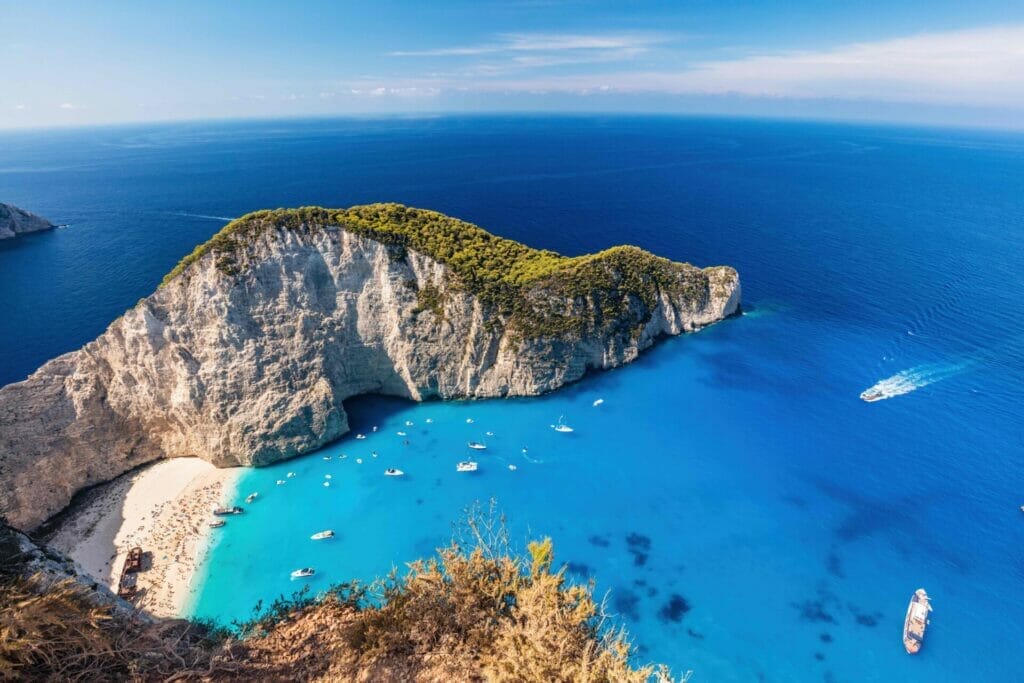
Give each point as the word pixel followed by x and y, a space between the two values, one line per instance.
pixel 164 508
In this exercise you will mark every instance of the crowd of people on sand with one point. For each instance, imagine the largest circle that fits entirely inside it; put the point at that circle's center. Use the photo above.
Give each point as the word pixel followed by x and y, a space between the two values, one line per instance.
pixel 175 540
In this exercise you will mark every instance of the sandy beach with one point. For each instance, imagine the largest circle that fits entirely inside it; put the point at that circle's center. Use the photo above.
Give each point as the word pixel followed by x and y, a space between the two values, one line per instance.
pixel 163 508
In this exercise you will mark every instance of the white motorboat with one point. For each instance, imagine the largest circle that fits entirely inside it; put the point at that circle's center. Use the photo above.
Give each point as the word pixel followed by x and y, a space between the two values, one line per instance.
pixel 374 454
pixel 359 461
pixel 217 523
pixel 303 573
pixel 374 427
pixel 328 476
pixel 401 433
pixel 321 535
pixel 512 467
pixel 469 420
pixel 327 457
pixel 360 436
pixel 392 472
pixel 489 434
pixel 466 466
pixel 477 446
pixel 561 426
pixel 408 423
pixel 280 481
pixel 251 497
pixel 430 420
pixel 598 402
pixel 327 483
pixel 290 475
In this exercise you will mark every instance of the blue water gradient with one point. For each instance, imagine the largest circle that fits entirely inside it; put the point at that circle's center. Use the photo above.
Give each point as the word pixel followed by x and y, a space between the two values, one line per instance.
pixel 748 515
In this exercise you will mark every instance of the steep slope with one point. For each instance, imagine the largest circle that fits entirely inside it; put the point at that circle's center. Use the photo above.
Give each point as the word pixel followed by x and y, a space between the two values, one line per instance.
pixel 15 221
pixel 247 351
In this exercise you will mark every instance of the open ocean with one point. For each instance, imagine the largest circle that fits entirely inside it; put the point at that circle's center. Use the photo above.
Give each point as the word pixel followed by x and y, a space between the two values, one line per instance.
pixel 749 516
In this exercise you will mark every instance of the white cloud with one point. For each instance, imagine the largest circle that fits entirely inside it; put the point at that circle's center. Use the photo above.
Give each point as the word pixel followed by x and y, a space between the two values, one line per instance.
pixel 626 44
pixel 976 67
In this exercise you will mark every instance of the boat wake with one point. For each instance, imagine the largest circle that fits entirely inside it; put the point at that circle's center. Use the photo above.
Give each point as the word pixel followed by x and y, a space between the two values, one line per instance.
pixel 912 379
pixel 201 215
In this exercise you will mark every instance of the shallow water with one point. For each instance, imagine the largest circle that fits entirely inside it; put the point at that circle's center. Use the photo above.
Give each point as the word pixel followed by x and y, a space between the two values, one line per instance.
pixel 750 516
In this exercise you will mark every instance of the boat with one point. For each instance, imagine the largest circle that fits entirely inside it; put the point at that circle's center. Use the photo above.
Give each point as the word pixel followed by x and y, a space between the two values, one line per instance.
pixel 217 523
pixel 327 483
pixel 561 426
pixel 916 621
pixel 469 420
pixel 489 434
pixel 280 481
pixel 598 402
pixel 374 428
pixel 223 512
pixel 360 436
pixel 251 497
pixel 303 573
pixel 513 468
pixel 430 420
pixel 373 454
pixel 321 535
pixel 401 433
pixel 290 475
pixel 466 466
pixel 327 457
pixel 359 461
pixel 871 395
pixel 477 446
pixel 408 423
pixel 392 472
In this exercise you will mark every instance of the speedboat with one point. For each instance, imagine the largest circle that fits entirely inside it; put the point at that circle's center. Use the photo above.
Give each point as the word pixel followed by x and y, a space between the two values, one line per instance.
pixel 217 523
pixel 466 466
pixel 392 472
pixel 373 454
pixel 490 433
pixel 328 476
pixel 223 512
pixel 280 481
pixel 430 420
pixel 374 428
pixel 303 573
pixel 327 483
pixel 251 497
pixel 598 402
pixel 401 433
pixel 408 423
pixel 512 467
pixel 561 426
pixel 477 446
pixel 321 535
pixel 469 420
pixel 327 457
pixel 360 436
pixel 359 461
pixel 290 475
pixel 871 395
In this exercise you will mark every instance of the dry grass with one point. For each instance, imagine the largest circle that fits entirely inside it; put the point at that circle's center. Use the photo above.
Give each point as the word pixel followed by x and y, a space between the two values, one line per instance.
pixel 475 612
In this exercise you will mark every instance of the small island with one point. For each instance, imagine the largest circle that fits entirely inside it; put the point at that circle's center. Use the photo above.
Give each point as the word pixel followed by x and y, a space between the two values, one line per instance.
pixel 15 222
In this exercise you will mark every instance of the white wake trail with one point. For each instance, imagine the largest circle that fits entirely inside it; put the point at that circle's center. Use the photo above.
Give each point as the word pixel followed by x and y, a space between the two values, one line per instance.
pixel 912 379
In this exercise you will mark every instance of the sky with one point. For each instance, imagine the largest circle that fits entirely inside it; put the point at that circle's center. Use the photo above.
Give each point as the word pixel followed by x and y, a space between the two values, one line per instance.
pixel 65 63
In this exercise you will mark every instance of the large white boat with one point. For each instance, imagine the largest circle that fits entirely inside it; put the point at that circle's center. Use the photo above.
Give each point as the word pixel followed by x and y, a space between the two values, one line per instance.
pixel 466 466
pixel 392 472
pixel 321 535
pixel 477 446
pixel 916 621
pixel 303 573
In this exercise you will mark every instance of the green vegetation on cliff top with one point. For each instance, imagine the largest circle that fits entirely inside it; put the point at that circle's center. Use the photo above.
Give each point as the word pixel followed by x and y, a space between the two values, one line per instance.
pixel 501 272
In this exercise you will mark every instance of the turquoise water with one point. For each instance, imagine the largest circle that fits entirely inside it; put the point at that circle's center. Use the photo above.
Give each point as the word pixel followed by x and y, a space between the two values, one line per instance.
pixel 750 517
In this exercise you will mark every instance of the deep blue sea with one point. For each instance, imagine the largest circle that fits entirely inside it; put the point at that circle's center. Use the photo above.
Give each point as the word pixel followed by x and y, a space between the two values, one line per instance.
pixel 749 517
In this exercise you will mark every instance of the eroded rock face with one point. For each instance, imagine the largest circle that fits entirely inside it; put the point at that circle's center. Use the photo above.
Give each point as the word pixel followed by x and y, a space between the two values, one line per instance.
pixel 15 221
pixel 251 367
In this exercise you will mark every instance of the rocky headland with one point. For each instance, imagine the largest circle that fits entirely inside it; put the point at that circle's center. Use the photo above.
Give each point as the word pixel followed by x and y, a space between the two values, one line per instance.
pixel 15 221
pixel 247 351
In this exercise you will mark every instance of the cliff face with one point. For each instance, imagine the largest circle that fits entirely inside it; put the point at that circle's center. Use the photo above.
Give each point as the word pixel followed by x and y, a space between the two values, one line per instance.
pixel 246 356
pixel 15 221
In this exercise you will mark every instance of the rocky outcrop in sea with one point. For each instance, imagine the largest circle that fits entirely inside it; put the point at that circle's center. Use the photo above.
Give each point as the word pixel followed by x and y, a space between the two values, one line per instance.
pixel 15 221
pixel 247 352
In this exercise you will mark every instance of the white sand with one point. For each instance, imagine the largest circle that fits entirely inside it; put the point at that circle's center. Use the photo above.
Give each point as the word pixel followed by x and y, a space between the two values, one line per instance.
pixel 164 509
